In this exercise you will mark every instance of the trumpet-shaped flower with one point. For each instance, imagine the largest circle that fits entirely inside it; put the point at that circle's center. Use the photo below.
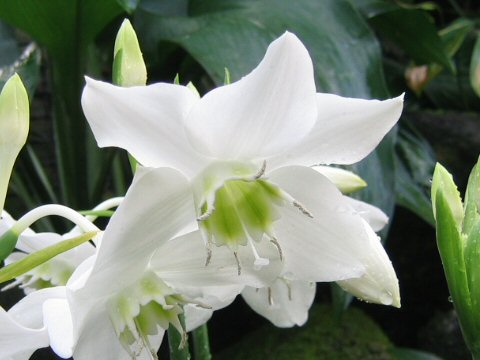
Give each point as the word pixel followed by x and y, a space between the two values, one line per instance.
pixel 247 147
pixel 147 268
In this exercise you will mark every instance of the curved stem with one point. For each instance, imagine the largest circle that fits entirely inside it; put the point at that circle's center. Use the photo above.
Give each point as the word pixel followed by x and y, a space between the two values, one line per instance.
pixel 48 210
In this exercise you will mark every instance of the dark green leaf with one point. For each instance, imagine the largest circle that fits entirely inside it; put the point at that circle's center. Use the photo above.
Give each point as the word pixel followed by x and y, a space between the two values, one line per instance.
pixel 237 39
pixel 9 51
pixel 411 354
pixel 415 162
pixel 415 33
pixel 128 5
pixel 475 67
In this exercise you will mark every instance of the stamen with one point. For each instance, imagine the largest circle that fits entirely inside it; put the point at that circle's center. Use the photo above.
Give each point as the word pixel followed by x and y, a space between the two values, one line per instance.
pixel 12 284
pixel 270 296
pixel 206 214
pixel 274 241
pixel 289 290
pixel 259 261
pixel 297 204
pixel 239 268
pixel 302 209
pixel 261 172
pixel 145 341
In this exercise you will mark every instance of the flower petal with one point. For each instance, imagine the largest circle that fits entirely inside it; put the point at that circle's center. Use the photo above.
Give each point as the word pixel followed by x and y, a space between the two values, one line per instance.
pixel 375 217
pixel 379 284
pixel 158 205
pixel 346 181
pixel 147 121
pixel 181 262
pixel 325 247
pixel 16 339
pixel 346 131
pixel 21 328
pixel 267 111
pixel 99 340
pixel 58 320
pixel 284 303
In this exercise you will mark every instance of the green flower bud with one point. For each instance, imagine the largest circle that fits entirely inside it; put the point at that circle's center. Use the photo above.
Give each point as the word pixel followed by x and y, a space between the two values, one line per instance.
pixel 14 123
pixel 128 65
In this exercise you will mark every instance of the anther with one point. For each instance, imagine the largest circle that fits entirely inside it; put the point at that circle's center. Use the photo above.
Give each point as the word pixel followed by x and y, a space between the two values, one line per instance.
pixel 239 268
pixel 261 172
pixel 302 209
pixel 274 241
pixel 206 214
pixel 270 296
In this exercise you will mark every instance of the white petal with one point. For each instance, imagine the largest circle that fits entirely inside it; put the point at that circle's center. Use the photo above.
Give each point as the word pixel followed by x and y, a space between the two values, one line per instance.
pixel 21 328
pixel 284 303
pixel 346 181
pixel 375 217
pixel 195 316
pixel 99 340
pixel 181 262
pixel 34 242
pixel 326 247
pixel 379 284
pixel 158 205
pixel 267 111
pixel 346 131
pixel 58 320
pixel 15 338
pixel 147 121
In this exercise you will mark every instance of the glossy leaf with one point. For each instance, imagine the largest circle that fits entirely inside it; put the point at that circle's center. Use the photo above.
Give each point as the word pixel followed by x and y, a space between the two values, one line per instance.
pixel 475 67
pixel 402 26
pixel 411 354
pixel 415 162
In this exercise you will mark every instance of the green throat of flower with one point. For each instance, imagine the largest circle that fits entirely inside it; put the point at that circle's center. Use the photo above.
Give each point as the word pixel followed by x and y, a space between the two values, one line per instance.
pixel 243 210
pixel 237 207
pixel 144 310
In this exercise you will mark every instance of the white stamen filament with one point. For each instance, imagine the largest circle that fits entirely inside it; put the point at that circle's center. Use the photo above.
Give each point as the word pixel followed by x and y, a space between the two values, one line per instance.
pixel 259 261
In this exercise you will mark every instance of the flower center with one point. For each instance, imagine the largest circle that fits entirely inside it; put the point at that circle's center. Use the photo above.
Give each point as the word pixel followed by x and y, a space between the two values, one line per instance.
pixel 145 310
pixel 238 207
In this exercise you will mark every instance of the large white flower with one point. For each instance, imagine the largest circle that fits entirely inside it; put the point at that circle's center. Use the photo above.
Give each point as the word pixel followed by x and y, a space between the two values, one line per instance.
pixel 148 266
pixel 247 147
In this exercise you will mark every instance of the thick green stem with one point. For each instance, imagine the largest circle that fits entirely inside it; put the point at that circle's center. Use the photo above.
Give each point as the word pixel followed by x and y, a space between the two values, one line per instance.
pixel 177 344
pixel 201 343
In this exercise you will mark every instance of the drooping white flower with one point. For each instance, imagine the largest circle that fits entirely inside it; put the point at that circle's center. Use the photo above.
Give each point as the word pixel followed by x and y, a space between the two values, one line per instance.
pixel 148 266
pixel 247 147
pixel 58 270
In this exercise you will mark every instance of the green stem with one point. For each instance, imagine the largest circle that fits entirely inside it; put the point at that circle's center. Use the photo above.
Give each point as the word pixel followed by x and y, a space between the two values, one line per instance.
pixel 201 344
pixel 175 339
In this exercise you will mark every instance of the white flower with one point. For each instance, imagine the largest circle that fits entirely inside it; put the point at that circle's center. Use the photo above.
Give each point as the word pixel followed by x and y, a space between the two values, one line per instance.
pixel 58 270
pixel 148 266
pixel 247 147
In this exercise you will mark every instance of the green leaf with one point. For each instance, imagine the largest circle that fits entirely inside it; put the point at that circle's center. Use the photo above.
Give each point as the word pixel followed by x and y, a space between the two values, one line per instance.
pixel 442 183
pixel 415 33
pixel 475 67
pixel 237 38
pixel 472 200
pixel 128 5
pixel 414 165
pixel 31 261
pixel 66 29
pixel 411 354
pixel 454 34
pixel 9 50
